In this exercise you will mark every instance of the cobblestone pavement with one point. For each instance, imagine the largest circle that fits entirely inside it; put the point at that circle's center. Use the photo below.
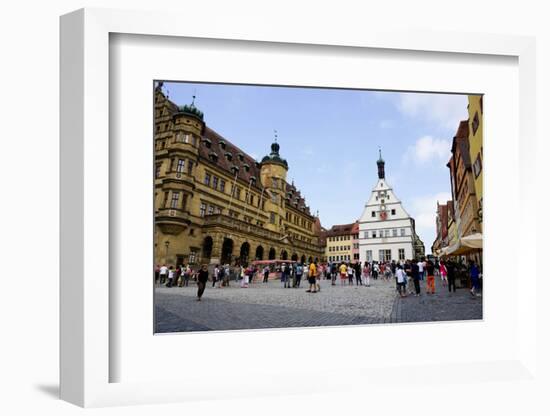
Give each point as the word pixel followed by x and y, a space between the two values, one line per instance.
pixel 442 306
pixel 271 306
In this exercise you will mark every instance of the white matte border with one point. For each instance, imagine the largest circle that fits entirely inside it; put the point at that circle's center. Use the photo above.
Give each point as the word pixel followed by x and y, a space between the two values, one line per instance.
pixel 91 375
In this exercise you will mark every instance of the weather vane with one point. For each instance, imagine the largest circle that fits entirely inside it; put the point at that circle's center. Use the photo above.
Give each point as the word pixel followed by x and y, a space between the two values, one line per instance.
pixel 275 132
pixel 194 96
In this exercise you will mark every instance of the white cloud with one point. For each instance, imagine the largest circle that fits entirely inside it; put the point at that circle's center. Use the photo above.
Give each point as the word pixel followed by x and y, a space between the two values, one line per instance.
pixel 423 210
pixel 428 148
pixel 447 110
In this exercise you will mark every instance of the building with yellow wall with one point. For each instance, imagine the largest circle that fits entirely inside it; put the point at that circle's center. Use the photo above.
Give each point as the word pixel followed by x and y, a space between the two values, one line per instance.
pixel 475 138
pixel 216 204
pixel 339 243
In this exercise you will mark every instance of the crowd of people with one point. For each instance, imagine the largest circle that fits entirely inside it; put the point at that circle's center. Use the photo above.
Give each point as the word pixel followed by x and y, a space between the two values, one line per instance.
pixel 408 275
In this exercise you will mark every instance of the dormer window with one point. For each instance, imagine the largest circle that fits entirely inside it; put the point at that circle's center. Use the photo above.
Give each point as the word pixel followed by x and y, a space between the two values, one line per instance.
pixel 241 156
pixel 222 144
pixel 234 169
pixel 246 167
pixel 207 142
pixel 213 156
pixel 228 156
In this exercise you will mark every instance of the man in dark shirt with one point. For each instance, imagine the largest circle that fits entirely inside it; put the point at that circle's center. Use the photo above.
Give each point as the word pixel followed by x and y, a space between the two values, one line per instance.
pixel 451 276
pixel 415 272
pixel 201 281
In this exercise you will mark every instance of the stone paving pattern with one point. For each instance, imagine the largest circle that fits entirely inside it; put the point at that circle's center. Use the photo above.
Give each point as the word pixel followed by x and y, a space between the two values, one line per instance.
pixel 271 306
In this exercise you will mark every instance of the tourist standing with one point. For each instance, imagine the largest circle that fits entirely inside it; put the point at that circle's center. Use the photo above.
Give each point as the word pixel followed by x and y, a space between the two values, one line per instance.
pixel 474 277
pixel 171 274
pixel 430 279
pixel 215 276
pixel 163 273
pixel 202 278
pixel 366 274
pixel 443 273
pixel 415 273
pixel 350 274
pixel 284 276
pixel 420 265
pixel 401 278
pixel 266 274
pixel 451 276
pixel 375 270
pixel 343 274
pixel 299 273
pixel 157 274
pixel 186 275
pixel 410 281
pixel 312 278
pixel 333 273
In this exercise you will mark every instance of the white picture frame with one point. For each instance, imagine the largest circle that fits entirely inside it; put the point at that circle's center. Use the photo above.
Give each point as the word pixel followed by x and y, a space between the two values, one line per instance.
pixel 86 305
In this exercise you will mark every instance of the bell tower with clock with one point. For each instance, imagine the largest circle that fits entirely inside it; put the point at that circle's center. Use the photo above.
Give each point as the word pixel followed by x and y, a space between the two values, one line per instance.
pixel 386 230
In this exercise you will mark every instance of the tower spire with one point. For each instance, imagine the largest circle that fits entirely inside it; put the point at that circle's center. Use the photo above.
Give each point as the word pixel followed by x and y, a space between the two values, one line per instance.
pixel 380 162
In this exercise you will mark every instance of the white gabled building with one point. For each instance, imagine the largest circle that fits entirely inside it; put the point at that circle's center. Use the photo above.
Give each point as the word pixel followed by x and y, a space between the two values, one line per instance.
pixel 386 230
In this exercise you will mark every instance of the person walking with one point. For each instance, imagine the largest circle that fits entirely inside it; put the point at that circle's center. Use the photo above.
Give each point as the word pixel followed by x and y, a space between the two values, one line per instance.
pixel 202 279
pixel 266 274
pixel 474 277
pixel 415 273
pixel 430 279
pixel 157 274
pixel 410 281
pixel 284 276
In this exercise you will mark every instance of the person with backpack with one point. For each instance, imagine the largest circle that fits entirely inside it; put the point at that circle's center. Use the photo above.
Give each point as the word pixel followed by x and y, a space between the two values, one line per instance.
pixel 375 271
pixel 312 278
pixel 299 273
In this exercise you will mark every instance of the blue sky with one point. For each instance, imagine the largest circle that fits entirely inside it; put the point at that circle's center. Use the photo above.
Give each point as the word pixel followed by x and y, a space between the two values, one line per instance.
pixel 330 138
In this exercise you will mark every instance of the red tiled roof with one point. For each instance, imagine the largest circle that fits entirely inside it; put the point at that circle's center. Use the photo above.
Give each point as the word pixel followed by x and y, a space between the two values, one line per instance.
pixel 342 229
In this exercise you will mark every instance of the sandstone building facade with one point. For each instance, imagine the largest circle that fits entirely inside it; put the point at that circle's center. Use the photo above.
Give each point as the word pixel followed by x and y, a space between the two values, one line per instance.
pixel 216 204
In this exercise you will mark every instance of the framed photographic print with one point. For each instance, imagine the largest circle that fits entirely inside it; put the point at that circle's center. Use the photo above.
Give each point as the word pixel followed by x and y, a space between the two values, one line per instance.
pixel 280 198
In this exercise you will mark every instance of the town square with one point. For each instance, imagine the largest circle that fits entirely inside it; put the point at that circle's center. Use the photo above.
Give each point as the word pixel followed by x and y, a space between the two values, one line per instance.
pixel 238 246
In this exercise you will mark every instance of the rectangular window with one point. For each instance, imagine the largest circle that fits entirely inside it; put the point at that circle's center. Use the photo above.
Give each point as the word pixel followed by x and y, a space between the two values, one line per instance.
pixel 272 217
pixel 175 199
pixel 190 167
pixel 369 255
pixel 477 165
pixel 180 166
pixel 401 254
pixel 157 170
pixel 386 233
pixel 274 183
pixel 366 234
pixel 384 255
pixel 274 198
pixel 393 212
pixel 202 210
pixel 210 209
pixel 222 185
pixel 475 123
pixel 165 202
pixel 394 232
pixel 215 182
pixel 373 214
pixel 207 179
pixel 238 193
pixel 402 232
pixel 218 210
pixel 374 234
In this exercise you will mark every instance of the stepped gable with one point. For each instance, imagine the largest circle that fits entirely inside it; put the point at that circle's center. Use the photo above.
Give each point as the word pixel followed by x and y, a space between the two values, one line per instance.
pixel 461 141
pixel 295 199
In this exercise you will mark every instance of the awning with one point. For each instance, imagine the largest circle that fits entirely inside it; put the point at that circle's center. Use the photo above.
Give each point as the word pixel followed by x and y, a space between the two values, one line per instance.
pixel 469 244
